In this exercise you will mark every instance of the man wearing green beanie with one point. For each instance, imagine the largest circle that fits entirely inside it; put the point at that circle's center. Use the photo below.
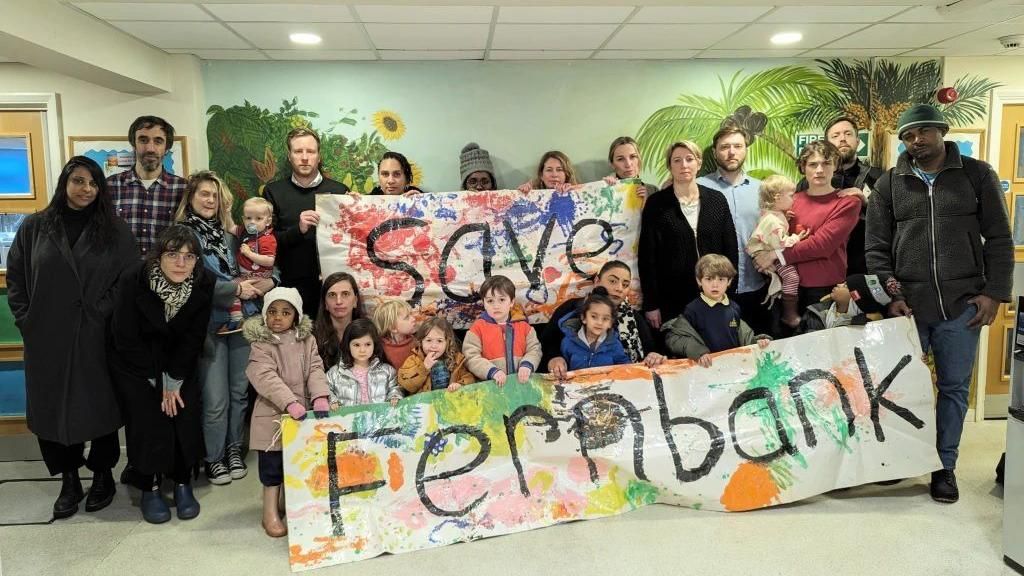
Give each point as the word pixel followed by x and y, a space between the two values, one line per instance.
pixel 939 237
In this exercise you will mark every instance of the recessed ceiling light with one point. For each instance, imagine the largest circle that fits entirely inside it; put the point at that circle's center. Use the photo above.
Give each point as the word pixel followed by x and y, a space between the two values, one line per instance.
pixel 787 38
pixel 304 38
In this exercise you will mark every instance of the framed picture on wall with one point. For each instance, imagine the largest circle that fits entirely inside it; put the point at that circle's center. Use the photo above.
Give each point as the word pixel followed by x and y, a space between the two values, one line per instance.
pixel 114 153
pixel 1018 172
pixel 970 142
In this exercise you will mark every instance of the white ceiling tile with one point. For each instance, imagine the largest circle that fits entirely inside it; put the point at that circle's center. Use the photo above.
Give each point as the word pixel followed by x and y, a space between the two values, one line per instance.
pixel 183 34
pixel 851 52
pixel 987 38
pixel 733 54
pixel 951 51
pixel 274 35
pixel 550 36
pixel 281 12
pixel 429 36
pixel 928 14
pixel 540 54
pixel 692 14
pixel 426 14
pixel 670 36
pixel 887 35
pixel 222 54
pixel 759 36
pixel 829 14
pixel 431 54
pixel 321 54
pixel 563 14
pixel 152 12
pixel 644 54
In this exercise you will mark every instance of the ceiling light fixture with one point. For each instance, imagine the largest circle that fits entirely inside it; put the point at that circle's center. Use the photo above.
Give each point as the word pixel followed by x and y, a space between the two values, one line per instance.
pixel 304 38
pixel 783 38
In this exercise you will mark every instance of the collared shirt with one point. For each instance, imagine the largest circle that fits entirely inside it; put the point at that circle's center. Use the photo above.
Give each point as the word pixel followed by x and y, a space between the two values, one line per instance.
pixel 724 301
pixel 745 209
pixel 316 181
pixel 147 211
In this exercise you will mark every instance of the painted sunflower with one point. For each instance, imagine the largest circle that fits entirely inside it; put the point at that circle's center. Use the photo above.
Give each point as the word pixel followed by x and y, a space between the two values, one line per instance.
pixel 388 124
pixel 417 174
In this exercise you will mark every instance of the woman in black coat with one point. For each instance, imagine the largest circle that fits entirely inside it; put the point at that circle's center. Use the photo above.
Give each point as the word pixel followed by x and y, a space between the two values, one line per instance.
pixel 669 245
pixel 62 276
pixel 158 330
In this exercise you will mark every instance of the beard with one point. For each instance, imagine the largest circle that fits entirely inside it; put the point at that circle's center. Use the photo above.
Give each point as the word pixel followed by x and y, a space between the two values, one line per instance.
pixel 150 162
pixel 847 156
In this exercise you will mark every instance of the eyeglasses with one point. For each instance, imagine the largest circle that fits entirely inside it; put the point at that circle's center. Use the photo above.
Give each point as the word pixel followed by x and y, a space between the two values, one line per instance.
pixel 186 257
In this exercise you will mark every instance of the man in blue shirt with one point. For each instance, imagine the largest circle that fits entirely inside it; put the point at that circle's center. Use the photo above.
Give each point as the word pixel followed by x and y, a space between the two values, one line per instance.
pixel 741 191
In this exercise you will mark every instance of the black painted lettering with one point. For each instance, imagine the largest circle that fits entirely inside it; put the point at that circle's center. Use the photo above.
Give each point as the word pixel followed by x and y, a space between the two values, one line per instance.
pixel 609 239
pixel 807 377
pixel 753 395
pixel 487 251
pixel 375 235
pixel 876 395
pixel 714 434
pixel 609 430
pixel 428 449
pixel 512 421
pixel 335 492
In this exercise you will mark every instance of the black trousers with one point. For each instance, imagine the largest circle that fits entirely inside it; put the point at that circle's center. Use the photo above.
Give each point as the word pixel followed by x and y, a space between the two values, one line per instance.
pixel 271 467
pixel 756 315
pixel 182 472
pixel 104 453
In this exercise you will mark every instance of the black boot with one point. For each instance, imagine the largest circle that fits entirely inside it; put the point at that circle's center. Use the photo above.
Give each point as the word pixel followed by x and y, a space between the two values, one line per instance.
pixel 102 491
pixel 70 495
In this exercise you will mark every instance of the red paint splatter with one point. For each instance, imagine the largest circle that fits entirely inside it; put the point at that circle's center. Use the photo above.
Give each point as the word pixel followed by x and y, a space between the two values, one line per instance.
pixel 551 274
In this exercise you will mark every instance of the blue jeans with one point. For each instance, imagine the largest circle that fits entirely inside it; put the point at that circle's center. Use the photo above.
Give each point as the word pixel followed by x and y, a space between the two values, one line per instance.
pixel 225 392
pixel 954 347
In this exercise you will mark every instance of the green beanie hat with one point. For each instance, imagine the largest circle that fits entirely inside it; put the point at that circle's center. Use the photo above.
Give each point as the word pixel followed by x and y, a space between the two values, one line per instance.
pixel 920 115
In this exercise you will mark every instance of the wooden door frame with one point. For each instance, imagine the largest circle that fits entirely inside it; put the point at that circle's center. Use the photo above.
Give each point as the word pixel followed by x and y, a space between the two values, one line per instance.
pixel 49 104
pixel 1000 98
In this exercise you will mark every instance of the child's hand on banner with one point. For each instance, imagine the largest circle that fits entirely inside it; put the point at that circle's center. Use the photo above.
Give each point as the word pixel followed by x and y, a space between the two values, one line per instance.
pixel 499 378
pixel 523 374
pixel 705 361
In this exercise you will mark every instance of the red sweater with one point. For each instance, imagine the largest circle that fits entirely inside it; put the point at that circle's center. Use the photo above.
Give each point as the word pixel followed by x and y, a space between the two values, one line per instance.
pixel 821 257
pixel 395 354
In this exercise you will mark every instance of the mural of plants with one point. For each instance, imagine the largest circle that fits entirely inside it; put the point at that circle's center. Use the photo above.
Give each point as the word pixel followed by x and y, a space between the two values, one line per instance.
pixel 768 102
pixel 248 149
pixel 776 104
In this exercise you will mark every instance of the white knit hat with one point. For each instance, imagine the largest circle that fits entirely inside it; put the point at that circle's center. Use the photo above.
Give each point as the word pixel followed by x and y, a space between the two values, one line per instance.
pixel 289 295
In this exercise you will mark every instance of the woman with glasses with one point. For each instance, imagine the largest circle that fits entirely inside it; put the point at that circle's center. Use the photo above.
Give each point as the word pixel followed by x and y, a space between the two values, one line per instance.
pixel 205 209
pixel 158 329
pixel 62 276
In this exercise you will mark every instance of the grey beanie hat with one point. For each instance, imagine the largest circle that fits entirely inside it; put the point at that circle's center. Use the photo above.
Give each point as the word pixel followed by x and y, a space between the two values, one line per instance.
pixel 289 295
pixel 921 115
pixel 475 159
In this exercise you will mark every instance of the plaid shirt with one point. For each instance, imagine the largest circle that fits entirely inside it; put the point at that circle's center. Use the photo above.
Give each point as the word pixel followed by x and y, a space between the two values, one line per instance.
pixel 147 212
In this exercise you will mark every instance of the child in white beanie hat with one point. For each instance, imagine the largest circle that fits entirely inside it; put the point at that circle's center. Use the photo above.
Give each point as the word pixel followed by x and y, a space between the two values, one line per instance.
pixel 286 370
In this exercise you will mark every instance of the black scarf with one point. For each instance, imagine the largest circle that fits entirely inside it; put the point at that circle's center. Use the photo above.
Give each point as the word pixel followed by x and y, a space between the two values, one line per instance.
pixel 212 235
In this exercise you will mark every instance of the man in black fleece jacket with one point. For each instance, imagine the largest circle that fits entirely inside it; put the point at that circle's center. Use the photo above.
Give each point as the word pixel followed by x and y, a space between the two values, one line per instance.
pixel 939 237
pixel 295 216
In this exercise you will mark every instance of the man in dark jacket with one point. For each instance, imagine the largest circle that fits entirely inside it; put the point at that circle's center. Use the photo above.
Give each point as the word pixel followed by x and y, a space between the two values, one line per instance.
pixel 851 172
pixel 939 237
pixel 295 216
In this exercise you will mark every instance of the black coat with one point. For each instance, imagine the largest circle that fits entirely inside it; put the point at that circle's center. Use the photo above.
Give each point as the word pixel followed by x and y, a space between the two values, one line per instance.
pixel 62 298
pixel 551 336
pixel 669 251
pixel 145 346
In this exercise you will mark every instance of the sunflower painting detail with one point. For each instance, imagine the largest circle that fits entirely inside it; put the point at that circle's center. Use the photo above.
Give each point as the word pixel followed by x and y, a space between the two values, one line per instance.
pixel 388 124
pixel 417 174
pixel 247 145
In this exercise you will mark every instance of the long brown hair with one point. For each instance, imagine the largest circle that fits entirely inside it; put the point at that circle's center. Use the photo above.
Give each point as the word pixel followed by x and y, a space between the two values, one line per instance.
pixel 570 172
pixel 451 349
pixel 323 329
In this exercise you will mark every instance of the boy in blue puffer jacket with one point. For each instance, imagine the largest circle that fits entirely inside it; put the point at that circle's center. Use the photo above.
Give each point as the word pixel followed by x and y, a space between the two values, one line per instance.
pixel 590 339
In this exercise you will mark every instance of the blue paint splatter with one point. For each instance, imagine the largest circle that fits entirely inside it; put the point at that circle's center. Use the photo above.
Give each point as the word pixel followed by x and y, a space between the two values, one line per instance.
pixel 563 208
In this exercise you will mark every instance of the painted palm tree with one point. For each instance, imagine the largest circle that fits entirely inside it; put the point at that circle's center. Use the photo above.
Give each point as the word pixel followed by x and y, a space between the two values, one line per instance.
pixel 766 102
pixel 875 93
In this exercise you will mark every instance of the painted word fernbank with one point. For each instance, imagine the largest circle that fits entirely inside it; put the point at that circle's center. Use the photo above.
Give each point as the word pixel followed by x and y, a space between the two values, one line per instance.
pixel 436 249
pixel 759 428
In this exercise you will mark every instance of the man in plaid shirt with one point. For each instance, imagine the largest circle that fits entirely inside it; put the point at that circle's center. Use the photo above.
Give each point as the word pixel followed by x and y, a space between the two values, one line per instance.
pixel 146 196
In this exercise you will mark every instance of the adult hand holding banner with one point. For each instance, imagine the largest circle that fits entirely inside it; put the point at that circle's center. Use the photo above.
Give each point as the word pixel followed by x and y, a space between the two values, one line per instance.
pixel 759 428
pixel 435 250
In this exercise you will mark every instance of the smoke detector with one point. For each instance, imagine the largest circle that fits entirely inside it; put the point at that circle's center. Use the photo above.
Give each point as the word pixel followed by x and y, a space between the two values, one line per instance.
pixel 1012 41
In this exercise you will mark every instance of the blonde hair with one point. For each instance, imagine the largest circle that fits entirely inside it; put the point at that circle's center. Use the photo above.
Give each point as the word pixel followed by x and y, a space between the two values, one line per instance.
pixel 261 202
pixel 226 199
pixel 570 172
pixel 715 266
pixel 387 313
pixel 772 187
pixel 687 144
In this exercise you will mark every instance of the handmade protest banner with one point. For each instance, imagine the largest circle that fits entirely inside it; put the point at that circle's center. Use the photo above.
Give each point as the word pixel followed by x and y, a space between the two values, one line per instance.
pixel 806 415
pixel 435 250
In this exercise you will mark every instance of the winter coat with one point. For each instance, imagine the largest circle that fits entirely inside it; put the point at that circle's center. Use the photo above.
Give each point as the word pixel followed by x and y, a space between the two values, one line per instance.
pixel 669 250
pixel 415 378
pixel 283 368
pixel 816 318
pixel 579 355
pixel 945 246
pixel 144 347
pixel 491 347
pixel 344 387
pixel 62 298
pixel 683 340
pixel 552 335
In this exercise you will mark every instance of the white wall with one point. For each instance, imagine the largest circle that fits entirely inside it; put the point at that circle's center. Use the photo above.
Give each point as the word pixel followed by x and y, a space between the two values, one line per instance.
pixel 91 110
pixel 1006 70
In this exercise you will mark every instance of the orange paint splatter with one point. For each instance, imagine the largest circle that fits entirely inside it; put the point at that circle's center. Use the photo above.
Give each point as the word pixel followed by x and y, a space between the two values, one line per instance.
pixel 559 511
pixel 356 468
pixel 751 486
pixel 317 480
pixel 396 472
